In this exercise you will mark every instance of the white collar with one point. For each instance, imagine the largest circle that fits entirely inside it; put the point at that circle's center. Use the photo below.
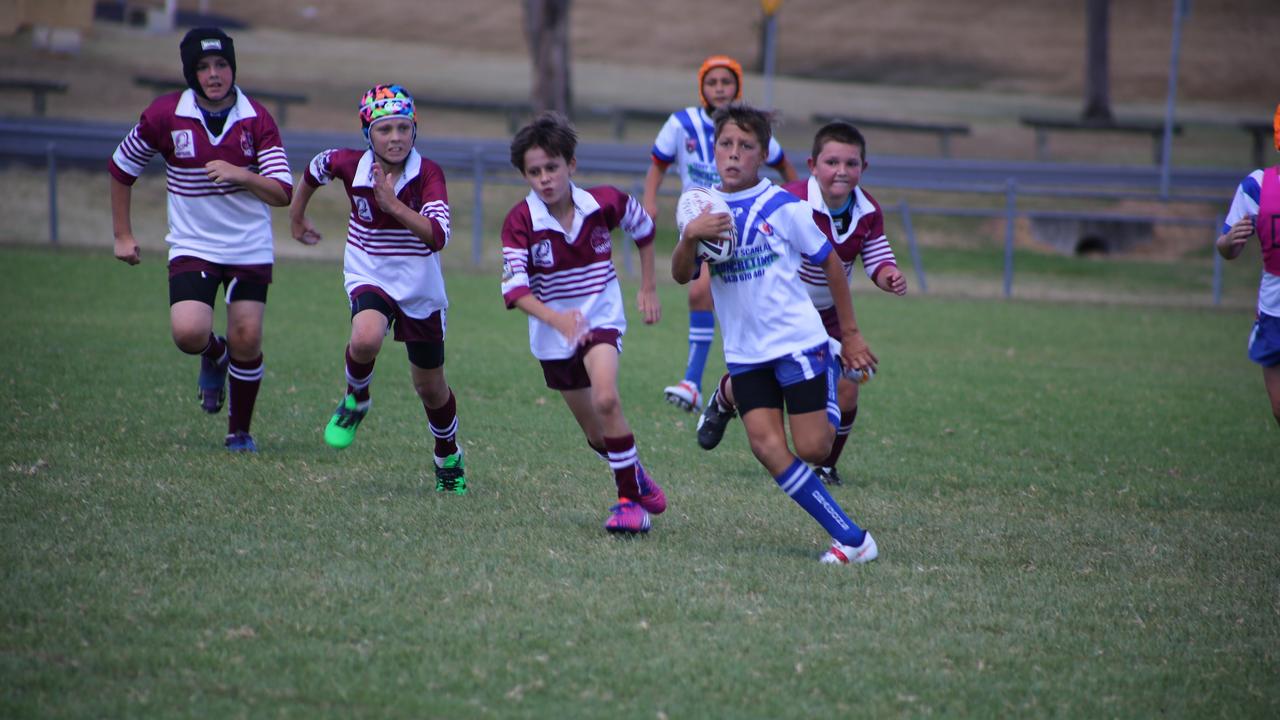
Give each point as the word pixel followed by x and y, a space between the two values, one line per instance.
pixel 752 191
pixel 364 170
pixel 187 106
pixel 817 202
pixel 584 203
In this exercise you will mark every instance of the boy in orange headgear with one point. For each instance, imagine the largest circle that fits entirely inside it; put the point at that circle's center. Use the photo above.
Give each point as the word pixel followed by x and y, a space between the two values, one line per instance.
pixel 1256 210
pixel 687 140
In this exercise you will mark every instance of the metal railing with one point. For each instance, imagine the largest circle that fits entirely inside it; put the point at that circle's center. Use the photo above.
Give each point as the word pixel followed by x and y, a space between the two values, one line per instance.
pixel 488 162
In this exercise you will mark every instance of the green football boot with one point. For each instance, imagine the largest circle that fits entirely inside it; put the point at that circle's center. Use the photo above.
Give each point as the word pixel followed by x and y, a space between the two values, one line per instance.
pixel 450 476
pixel 341 430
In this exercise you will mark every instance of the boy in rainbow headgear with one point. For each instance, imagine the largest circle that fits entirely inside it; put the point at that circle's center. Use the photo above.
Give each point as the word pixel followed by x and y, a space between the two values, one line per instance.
pixel 398 225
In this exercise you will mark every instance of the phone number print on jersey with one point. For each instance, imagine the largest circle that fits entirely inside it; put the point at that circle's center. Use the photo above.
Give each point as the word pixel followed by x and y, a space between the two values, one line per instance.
pixel 743 268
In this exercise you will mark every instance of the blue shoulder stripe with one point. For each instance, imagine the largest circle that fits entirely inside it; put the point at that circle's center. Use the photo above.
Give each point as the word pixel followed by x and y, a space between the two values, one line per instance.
pixel 779 198
pixel 818 257
pixel 690 129
pixel 1250 187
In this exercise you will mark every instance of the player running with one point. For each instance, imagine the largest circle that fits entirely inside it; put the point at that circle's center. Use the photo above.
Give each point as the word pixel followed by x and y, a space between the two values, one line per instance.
pixel 225 166
pixel 398 225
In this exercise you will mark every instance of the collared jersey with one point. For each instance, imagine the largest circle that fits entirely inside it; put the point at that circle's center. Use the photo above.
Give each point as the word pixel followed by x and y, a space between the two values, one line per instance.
pixel 570 268
pixel 864 237
pixel 688 140
pixel 762 306
pixel 1247 202
pixel 380 251
pixel 220 222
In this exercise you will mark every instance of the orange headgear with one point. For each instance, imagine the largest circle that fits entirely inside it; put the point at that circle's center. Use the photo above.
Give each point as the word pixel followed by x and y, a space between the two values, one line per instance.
pixel 1275 124
pixel 723 61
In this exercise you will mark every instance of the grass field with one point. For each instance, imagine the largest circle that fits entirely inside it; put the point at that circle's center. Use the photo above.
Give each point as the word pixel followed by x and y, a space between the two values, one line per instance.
pixel 1077 509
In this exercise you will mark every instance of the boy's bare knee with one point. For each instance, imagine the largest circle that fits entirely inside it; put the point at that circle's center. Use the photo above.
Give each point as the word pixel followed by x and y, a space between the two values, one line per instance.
pixel 813 452
pixel 769 449
pixel 364 348
pixel 189 341
pixel 606 404
pixel 247 340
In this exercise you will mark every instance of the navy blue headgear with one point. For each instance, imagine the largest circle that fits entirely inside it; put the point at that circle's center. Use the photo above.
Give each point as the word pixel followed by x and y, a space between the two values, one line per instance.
pixel 202 42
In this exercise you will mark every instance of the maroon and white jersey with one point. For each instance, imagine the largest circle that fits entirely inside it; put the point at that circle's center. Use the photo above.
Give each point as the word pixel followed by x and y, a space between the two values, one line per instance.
pixel 570 269
pixel 863 237
pixel 219 222
pixel 380 251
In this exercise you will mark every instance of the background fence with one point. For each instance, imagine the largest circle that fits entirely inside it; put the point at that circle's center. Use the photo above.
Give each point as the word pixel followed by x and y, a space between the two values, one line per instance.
pixel 57 143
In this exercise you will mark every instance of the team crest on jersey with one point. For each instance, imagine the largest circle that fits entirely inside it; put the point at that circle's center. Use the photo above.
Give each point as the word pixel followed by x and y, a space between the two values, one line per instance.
pixel 362 209
pixel 246 143
pixel 765 229
pixel 541 254
pixel 690 145
pixel 184 144
pixel 600 241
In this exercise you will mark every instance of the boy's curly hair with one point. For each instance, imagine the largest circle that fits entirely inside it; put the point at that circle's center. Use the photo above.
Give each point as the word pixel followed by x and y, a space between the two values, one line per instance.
pixel 753 120
pixel 550 131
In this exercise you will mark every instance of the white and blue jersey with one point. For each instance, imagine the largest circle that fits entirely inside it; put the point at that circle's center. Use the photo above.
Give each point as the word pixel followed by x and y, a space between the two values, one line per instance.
pixel 1246 203
pixel 761 303
pixel 688 141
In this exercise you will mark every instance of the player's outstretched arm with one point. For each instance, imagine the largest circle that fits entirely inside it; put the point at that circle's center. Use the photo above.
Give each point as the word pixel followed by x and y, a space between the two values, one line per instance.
pixel 853 348
pixel 299 224
pixel 126 247
pixel 1231 243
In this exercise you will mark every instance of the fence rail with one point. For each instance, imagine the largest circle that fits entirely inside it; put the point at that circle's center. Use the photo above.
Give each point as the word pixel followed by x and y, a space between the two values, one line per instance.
pixel 487 161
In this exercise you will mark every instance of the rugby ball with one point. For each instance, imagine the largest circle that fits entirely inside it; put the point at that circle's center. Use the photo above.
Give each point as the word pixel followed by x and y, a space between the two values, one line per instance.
pixel 861 376
pixel 693 202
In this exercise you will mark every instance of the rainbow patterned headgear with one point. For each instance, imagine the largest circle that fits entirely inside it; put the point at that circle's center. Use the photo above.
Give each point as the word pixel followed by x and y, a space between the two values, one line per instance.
pixel 386 101
pixel 719 61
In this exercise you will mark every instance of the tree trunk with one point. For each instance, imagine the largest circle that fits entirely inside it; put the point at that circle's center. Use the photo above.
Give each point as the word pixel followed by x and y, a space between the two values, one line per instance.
pixel 546 24
pixel 1097 84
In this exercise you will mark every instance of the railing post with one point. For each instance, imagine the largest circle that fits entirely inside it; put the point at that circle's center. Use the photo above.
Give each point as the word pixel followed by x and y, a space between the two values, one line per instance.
pixel 477 206
pixel 52 159
pixel 1010 218
pixel 1217 269
pixel 909 230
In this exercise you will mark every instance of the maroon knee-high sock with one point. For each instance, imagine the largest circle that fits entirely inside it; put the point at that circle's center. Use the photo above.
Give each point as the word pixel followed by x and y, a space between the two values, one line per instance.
pixel 246 378
pixel 622 459
pixel 443 422
pixel 359 375
pixel 722 398
pixel 842 436
pixel 216 350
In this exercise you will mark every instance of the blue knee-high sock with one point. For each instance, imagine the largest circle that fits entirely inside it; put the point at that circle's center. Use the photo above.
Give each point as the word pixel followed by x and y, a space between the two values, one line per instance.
pixel 805 488
pixel 702 330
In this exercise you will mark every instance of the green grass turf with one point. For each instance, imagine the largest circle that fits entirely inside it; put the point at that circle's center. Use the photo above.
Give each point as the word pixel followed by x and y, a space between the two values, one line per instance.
pixel 1076 507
